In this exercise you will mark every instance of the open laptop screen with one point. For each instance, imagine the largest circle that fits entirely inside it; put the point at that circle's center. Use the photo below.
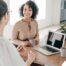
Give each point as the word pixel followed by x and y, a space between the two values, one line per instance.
pixel 55 39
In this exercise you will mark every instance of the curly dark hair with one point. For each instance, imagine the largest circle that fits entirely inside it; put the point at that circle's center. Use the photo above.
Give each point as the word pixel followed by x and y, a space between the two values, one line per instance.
pixel 3 8
pixel 32 5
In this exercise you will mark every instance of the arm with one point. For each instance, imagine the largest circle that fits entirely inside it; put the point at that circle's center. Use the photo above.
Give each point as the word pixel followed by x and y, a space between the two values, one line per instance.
pixel 36 38
pixel 31 58
pixel 15 35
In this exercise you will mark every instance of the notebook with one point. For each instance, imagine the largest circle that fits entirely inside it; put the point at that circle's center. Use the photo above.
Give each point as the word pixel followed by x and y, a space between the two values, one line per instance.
pixel 55 41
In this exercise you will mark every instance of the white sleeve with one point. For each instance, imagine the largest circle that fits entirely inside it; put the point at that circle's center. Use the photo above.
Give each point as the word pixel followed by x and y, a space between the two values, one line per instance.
pixel 16 58
pixel 11 56
pixel 64 63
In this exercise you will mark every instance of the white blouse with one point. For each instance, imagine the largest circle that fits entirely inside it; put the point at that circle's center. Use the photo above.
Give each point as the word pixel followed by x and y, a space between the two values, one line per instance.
pixel 64 63
pixel 9 55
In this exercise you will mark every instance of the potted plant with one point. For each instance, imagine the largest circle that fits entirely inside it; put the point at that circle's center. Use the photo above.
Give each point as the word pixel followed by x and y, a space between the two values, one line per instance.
pixel 63 28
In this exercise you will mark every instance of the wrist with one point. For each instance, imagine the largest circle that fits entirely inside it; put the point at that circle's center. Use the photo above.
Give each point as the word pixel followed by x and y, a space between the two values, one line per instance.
pixel 28 63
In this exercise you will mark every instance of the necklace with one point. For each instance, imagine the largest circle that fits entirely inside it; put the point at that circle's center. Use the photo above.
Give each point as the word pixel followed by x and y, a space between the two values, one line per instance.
pixel 29 26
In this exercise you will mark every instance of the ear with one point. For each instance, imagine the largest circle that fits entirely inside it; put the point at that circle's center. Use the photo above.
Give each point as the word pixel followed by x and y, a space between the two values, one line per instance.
pixel 5 16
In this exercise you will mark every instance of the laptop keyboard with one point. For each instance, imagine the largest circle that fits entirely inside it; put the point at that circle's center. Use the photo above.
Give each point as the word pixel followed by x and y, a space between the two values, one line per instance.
pixel 49 49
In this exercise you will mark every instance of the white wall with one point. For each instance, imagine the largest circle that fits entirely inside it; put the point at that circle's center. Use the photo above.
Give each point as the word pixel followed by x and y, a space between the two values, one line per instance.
pixel 48 20
pixel 56 13
pixel 52 13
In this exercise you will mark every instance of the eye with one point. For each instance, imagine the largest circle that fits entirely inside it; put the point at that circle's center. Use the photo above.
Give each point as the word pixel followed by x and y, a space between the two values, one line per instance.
pixel 25 9
pixel 30 9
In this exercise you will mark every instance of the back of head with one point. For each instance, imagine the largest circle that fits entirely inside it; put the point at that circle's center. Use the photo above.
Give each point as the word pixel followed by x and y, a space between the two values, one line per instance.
pixel 3 8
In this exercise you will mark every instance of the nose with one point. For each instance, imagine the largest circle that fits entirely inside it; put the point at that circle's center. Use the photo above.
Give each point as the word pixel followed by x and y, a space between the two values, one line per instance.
pixel 27 12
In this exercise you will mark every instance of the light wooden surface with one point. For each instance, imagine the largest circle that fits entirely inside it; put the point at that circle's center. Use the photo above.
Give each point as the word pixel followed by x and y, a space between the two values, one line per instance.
pixel 53 60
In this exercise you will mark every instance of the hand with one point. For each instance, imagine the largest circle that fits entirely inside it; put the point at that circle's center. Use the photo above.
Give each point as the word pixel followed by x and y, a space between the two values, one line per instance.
pixel 31 57
pixel 23 46
pixel 33 42
pixel 20 48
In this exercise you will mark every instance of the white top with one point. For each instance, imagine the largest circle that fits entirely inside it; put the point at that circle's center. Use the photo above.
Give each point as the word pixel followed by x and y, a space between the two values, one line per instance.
pixel 9 55
pixel 64 63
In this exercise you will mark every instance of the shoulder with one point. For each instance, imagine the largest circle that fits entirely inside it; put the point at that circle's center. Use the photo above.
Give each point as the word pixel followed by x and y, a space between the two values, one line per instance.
pixel 18 24
pixel 4 40
pixel 35 22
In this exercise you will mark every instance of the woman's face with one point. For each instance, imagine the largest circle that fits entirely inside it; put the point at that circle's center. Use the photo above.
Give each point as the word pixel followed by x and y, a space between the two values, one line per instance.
pixel 27 11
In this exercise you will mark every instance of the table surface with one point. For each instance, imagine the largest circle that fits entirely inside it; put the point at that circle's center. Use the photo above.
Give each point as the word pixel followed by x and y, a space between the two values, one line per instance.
pixel 53 60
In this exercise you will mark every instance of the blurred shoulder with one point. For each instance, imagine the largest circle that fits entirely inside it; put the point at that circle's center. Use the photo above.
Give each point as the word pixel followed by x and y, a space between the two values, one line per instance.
pixel 34 21
pixel 4 40
pixel 19 22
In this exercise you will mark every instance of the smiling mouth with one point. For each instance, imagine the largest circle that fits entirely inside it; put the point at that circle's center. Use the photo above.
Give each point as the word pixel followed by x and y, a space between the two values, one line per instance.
pixel 27 14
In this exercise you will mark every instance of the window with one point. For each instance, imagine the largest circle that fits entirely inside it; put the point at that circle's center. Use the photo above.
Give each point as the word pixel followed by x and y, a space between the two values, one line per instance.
pixel 42 9
pixel 15 5
pixel 14 8
pixel 64 4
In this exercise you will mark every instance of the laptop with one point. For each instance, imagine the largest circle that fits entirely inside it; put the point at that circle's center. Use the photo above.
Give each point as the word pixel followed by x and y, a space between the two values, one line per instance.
pixel 55 41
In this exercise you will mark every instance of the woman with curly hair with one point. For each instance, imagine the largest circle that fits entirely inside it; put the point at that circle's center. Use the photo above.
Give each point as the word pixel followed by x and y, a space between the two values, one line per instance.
pixel 25 32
